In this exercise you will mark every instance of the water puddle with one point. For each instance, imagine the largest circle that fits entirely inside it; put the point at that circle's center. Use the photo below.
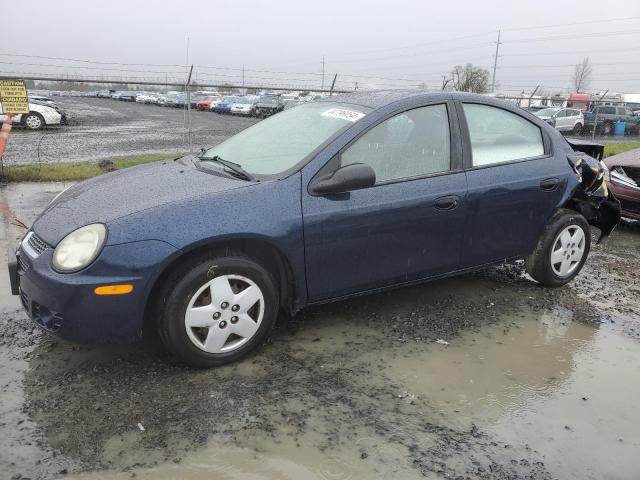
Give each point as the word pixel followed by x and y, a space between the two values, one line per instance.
pixel 540 383
pixel 559 386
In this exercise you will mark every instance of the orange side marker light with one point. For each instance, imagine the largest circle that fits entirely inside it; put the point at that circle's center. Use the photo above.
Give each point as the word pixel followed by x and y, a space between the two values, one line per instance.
pixel 114 289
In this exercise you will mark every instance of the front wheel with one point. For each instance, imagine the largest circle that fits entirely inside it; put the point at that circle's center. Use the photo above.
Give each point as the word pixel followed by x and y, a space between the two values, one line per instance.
pixel 34 121
pixel 217 309
pixel 562 249
pixel 577 129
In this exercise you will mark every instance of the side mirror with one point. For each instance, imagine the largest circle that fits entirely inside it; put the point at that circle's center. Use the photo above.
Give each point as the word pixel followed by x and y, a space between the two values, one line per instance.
pixel 354 176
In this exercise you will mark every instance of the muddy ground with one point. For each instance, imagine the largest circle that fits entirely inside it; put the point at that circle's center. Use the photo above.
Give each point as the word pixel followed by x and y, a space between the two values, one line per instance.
pixel 483 376
pixel 104 128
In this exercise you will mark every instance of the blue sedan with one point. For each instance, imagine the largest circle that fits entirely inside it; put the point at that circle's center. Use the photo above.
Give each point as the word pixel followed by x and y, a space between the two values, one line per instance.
pixel 334 198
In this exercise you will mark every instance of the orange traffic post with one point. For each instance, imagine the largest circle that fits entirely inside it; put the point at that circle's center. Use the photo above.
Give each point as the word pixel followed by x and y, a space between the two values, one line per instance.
pixel 4 136
pixel 4 131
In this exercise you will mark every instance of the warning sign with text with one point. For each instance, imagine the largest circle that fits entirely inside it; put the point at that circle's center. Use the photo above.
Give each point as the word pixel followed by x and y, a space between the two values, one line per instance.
pixel 13 95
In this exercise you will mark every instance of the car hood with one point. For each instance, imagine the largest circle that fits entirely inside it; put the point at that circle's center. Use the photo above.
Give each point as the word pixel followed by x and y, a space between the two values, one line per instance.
pixel 630 158
pixel 117 194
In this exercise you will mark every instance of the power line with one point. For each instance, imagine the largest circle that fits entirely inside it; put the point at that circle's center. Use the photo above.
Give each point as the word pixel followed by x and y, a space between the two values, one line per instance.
pixel 599 21
pixel 570 36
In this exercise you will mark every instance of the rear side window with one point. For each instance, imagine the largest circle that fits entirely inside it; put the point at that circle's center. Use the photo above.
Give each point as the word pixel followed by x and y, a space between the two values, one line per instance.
pixel 500 136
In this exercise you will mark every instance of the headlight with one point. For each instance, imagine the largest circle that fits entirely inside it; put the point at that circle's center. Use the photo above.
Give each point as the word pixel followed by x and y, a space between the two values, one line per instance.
pixel 79 248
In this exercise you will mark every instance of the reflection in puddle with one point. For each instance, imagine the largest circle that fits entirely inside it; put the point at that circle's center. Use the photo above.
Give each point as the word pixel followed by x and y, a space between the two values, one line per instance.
pixel 548 382
pixel 542 382
pixel 481 377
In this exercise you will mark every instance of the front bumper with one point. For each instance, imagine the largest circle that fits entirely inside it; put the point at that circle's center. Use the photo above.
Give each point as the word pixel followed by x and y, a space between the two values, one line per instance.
pixel 629 199
pixel 66 305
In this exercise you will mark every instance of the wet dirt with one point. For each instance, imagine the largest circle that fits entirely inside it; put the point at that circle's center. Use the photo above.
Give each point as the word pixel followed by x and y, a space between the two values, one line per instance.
pixel 104 128
pixel 481 376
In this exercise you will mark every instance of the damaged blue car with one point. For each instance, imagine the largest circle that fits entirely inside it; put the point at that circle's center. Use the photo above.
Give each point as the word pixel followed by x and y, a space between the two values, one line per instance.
pixel 334 198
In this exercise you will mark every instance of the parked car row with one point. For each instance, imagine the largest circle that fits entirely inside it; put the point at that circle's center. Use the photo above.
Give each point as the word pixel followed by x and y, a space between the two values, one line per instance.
pixel 259 106
pixel 605 119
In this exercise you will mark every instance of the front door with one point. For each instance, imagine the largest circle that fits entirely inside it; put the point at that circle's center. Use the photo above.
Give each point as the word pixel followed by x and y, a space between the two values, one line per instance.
pixel 408 226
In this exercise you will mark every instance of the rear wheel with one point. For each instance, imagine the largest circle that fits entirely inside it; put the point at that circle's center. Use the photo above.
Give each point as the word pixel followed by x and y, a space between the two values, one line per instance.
pixel 217 309
pixel 607 128
pixel 562 249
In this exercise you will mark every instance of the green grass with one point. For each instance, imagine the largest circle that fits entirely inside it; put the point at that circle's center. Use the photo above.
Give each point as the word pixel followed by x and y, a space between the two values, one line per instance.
pixel 615 148
pixel 58 172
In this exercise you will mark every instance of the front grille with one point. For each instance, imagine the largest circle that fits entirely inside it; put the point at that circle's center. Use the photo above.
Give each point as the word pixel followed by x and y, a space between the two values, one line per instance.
pixel 36 243
pixel 23 264
pixel 633 207
pixel 24 298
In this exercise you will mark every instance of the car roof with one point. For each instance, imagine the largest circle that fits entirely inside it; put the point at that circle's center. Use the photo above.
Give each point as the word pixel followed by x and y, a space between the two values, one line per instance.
pixel 379 98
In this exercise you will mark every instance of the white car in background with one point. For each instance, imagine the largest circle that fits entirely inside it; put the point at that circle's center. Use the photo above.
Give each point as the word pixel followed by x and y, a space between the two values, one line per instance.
pixel 563 119
pixel 243 107
pixel 39 116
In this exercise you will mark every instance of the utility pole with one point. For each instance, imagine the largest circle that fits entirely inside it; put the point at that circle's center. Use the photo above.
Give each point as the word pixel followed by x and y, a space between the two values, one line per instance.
pixel 244 92
pixel 495 64
pixel 333 84
pixel 189 107
pixel 355 87
pixel 322 86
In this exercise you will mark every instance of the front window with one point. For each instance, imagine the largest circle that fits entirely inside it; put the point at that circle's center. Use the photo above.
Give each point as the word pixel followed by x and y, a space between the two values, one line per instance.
pixel 411 144
pixel 280 142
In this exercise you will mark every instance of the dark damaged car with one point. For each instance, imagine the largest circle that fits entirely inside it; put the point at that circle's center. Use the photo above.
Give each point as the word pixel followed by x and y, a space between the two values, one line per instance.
pixel 348 195
pixel 268 105
pixel 624 181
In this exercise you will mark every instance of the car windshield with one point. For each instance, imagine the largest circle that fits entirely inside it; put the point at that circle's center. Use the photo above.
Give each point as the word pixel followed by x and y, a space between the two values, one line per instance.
pixel 280 142
pixel 547 112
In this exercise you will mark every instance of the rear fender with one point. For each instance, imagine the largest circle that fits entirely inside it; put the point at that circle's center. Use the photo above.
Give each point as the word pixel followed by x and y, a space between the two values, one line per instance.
pixel 591 197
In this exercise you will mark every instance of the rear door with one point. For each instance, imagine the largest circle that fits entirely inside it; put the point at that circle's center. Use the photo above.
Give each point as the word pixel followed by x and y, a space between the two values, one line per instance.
pixel 514 183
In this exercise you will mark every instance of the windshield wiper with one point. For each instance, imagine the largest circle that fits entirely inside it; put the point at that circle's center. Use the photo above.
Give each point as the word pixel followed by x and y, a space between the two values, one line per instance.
pixel 237 170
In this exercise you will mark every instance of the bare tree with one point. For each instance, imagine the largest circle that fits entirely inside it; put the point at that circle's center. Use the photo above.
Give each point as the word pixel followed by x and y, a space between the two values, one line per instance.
pixel 470 78
pixel 582 75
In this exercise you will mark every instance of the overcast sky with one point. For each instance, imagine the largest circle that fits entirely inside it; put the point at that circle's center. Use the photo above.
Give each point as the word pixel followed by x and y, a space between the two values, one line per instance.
pixel 403 42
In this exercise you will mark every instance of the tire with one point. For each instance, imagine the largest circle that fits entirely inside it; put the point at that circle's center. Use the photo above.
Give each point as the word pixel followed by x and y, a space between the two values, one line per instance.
pixel 577 129
pixel 189 298
pixel 33 121
pixel 571 252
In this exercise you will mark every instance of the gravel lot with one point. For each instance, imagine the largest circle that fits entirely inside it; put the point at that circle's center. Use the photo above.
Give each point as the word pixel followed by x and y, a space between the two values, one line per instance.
pixel 103 128
pixel 484 376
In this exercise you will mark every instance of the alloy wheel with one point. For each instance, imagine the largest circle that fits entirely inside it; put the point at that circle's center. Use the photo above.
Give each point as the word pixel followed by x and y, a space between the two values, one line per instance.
pixel 224 313
pixel 33 122
pixel 568 250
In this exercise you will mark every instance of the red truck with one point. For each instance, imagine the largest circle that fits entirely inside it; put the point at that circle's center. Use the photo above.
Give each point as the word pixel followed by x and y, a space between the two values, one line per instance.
pixel 579 101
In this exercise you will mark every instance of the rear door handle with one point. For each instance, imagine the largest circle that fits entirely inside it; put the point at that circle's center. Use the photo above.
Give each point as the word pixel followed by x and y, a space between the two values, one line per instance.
pixel 446 203
pixel 549 184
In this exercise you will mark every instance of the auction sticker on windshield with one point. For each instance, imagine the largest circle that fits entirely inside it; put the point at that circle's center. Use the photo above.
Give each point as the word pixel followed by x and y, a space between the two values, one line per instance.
pixel 13 95
pixel 343 114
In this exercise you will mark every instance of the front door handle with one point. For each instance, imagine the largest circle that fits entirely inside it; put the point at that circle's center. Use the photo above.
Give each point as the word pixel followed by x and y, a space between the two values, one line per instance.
pixel 549 184
pixel 446 203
